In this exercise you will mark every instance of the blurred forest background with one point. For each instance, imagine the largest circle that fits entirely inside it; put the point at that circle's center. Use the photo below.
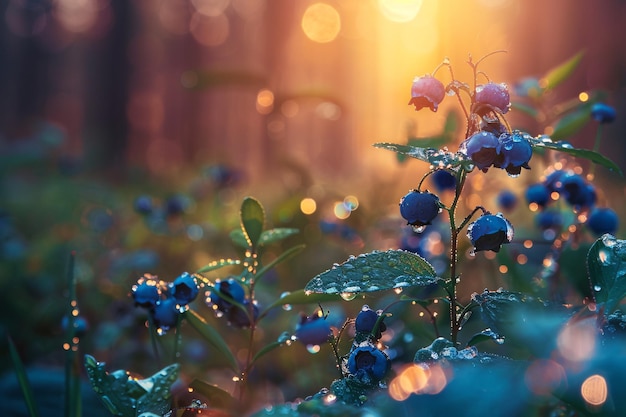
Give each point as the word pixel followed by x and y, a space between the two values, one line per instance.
pixel 193 104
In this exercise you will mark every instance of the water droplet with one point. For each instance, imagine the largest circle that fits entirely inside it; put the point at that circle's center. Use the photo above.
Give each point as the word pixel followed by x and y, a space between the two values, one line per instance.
pixel 472 252
pixel 287 307
pixel 608 241
pixel 513 175
pixel 398 290
pixel 499 340
pixel 418 229
pixel 308 292
pixel 348 296
pixel 604 257
pixel 330 399
pixel 597 288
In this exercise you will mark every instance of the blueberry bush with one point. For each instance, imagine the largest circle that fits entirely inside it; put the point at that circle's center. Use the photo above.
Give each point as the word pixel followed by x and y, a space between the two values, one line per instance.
pixel 546 340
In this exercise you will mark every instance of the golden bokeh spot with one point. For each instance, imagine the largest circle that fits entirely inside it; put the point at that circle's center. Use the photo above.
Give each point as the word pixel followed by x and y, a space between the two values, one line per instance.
pixel 308 206
pixel 594 390
pixel 583 96
pixel 321 23
pixel 265 101
pixel 503 269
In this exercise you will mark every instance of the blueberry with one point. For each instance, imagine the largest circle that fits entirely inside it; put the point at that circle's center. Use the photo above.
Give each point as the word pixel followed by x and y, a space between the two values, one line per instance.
pixel 365 321
pixel 143 204
pixel 482 148
pixel 80 325
pixel 314 330
pixel 554 181
pixel 367 360
pixel 493 96
pixel 229 288
pixel 515 153
pixel 490 232
pixel 443 180
pixel 165 313
pixel 602 220
pixel 549 219
pixel 185 288
pixel 507 200
pixel 427 91
pixel 538 194
pixel 175 205
pixel 577 192
pixel 603 113
pixel 419 208
pixel 146 292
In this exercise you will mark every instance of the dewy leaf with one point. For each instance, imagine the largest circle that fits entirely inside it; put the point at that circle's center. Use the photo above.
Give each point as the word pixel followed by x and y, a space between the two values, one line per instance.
pixel 438 158
pixel 606 264
pixel 218 398
pixel 560 73
pixel 252 218
pixel 212 336
pixel 277 234
pixel 218 264
pixel 127 396
pixel 374 271
pixel 566 147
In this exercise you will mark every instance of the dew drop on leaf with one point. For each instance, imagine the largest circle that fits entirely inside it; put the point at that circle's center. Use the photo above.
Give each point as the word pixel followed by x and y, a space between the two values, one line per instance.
pixel 348 296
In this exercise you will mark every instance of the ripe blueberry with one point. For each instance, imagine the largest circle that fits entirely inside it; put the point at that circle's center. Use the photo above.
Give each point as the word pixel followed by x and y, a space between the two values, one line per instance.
pixel 185 288
pixel 419 208
pixel 538 194
pixel 492 96
pixel 577 192
pixel 482 148
pixel 229 288
pixel 241 318
pixel 490 232
pixel 365 321
pixel 507 200
pixel 367 360
pixel 549 219
pixel 443 180
pixel 165 313
pixel 314 330
pixel 515 152
pixel 602 220
pixel 427 91
pixel 603 113
pixel 143 204
pixel 146 292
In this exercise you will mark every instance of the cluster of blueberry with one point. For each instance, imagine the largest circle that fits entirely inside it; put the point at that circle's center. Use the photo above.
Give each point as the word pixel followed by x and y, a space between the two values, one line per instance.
pixel 228 299
pixel 366 361
pixel 579 194
pixel 165 301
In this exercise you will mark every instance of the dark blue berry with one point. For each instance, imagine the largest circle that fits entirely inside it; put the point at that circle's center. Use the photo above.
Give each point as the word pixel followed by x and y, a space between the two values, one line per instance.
pixel 602 220
pixel 229 288
pixel 490 232
pixel 185 288
pixel 443 180
pixel 368 361
pixel 603 113
pixel 427 91
pixel 143 204
pixel 365 321
pixel 419 208
pixel 482 148
pixel 314 330
pixel 492 96
pixel 175 205
pixel 538 194
pixel 515 153
pixel 165 313
pixel 577 192
pixel 507 200
pixel 554 180
pixel 241 317
pixel 549 219
pixel 146 292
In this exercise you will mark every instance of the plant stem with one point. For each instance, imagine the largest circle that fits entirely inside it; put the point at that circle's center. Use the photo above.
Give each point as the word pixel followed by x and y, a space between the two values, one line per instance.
pixel 454 238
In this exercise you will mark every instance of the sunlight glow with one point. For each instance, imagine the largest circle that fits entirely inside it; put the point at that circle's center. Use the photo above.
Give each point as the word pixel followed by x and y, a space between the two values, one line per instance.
pixel 400 10
pixel 321 23
pixel 308 206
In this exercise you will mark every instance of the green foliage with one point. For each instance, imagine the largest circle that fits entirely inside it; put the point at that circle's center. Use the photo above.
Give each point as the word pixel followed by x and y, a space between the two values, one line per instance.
pixel 213 337
pixel 252 220
pixel 606 264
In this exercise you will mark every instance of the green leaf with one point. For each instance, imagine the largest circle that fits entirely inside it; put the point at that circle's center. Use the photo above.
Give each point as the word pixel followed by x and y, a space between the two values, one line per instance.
pixel 525 108
pixel 571 123
pixel 484 335
pixel 283 339
pixel 280 258
pixel 606 264
pixel 435 157
pixel 566 147
pixel 22 377
pixel 276 234
pixel 213 337
pixel 126 396
pixel 562 72
pixel 218 398
pixel 375 271
pixel 218 264
pixel 252 218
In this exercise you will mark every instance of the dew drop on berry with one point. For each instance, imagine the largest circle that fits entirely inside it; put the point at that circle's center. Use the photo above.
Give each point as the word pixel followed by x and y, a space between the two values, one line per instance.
pixel 472 252
pixel 419 229
pixel 397 290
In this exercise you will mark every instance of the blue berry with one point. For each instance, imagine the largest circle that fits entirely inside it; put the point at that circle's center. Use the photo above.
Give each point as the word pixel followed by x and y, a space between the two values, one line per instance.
pixel 443 180
pixel 229 288
pixel 419 208
pixel 365 321
pixel 175 205
pixel 146 292
pixel 143 204
pixel 577 192
pixel 240 318
pixel 493 96
pixel 603 113
pixel 490 232
pixel 165 313
pixel 427 91
pixel 538 194
pixel 368 361
pixel 507 200
pixel 602 220
pixel 482 148
pixel 81 325
pixel 515 153
pixel 314 330
pixel 554 181
pixel 185 288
